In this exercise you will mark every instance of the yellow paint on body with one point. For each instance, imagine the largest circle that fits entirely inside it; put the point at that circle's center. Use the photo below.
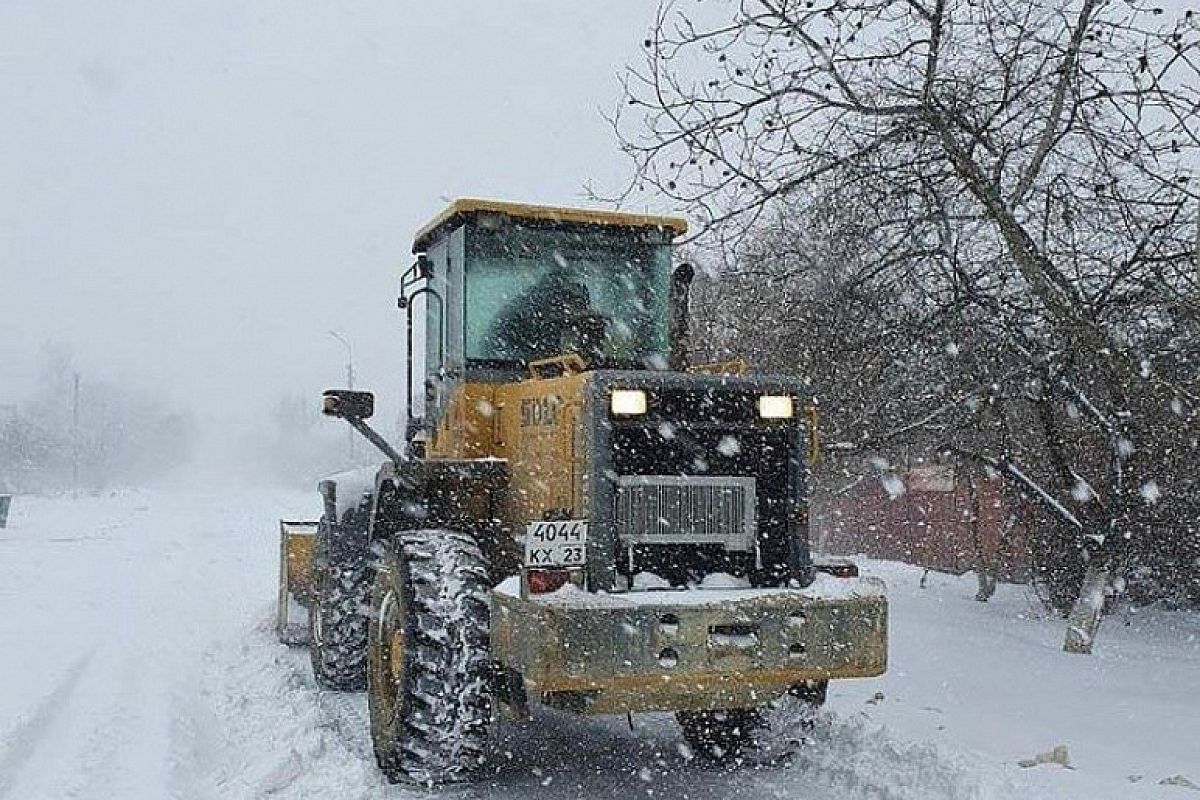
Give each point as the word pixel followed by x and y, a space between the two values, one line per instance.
pixel 534 425
pixel 585 216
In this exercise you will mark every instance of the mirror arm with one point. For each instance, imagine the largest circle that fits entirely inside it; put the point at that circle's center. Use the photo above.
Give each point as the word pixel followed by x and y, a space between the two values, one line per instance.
pixel 374 438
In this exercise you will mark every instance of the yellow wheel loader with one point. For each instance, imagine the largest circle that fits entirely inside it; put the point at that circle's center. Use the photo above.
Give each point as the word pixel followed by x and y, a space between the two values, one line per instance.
pixel 578 517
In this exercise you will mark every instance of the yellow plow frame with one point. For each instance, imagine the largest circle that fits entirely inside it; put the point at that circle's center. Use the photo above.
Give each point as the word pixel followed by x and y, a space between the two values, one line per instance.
pixel 296 540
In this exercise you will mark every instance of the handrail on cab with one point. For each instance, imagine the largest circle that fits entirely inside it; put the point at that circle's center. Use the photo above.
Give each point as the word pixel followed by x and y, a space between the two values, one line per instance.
pixel 566 364
pixel 735 366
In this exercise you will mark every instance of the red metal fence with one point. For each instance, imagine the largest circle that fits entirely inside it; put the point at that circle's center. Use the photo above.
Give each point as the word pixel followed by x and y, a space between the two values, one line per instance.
pixel 926 520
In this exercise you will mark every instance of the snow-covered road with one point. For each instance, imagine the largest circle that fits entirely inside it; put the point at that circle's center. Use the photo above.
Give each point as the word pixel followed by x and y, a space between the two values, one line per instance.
pixel 107 609
pixel 136 662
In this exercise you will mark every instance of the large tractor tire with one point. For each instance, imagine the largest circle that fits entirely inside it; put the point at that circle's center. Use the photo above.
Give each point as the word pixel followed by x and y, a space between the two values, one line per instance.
pixel 720 735
pixel 429 665
pixel 337 613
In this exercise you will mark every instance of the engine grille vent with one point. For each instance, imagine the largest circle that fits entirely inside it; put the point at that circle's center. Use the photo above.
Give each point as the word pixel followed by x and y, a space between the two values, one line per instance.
pixel 673 509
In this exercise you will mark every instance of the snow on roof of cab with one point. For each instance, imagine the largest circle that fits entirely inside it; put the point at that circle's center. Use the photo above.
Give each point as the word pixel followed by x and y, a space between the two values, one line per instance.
pixel 588 216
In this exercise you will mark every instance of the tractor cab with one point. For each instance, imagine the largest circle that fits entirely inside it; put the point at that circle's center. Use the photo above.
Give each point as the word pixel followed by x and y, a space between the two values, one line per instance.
pixel 511 290
pixel 554 350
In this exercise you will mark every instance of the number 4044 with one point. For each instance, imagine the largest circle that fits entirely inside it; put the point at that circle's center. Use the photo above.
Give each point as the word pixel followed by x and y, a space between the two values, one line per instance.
pixel 568 531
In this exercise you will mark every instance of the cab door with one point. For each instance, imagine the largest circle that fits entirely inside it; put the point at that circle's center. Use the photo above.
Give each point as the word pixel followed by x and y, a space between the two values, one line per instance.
pixel 443 350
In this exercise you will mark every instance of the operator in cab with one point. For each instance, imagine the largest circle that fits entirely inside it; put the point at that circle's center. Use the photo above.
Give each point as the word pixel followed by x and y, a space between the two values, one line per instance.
pixel 552 317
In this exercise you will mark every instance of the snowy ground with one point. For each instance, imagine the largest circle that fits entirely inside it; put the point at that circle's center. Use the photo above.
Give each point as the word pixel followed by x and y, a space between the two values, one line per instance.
pixel 136 662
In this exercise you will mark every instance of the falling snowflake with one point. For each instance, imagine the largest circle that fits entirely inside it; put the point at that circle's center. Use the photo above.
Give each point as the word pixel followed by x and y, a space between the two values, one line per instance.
pixel 656 361
pixel 1150 492
pixel 729 446
pixel 892 484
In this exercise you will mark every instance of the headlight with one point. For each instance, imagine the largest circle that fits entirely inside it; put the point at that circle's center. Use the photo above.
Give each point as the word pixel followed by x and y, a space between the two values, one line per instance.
pixel 775 406
pixel 628 402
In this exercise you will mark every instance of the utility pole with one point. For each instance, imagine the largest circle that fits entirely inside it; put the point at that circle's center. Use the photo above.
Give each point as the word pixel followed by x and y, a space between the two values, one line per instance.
pixel 349 381
pixel 75 437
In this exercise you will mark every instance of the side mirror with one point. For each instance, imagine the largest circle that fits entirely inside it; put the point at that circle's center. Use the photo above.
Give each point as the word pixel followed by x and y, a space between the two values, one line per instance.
pixel 683 275
pixel 347 404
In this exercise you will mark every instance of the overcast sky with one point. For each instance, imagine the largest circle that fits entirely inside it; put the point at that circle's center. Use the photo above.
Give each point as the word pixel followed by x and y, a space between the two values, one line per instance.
pixel 194 193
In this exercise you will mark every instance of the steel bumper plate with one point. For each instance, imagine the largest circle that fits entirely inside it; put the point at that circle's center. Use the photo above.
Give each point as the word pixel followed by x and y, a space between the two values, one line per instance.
pixel 670 650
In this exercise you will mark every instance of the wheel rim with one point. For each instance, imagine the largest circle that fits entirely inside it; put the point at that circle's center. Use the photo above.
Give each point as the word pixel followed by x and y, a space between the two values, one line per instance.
pixel 396 656
pixel 391 654
pixel 317 638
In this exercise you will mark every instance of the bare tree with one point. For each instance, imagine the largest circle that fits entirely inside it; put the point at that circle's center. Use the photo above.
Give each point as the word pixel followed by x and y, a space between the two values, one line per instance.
pixel 1036 152
pixel 78 431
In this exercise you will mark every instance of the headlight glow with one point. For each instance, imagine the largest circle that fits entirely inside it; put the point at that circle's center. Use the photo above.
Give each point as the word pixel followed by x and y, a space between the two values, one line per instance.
pixel 775 406
pixel 628 402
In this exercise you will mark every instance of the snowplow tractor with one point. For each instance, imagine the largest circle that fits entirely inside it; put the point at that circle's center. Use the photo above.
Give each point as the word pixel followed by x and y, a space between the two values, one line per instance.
pixel 579 516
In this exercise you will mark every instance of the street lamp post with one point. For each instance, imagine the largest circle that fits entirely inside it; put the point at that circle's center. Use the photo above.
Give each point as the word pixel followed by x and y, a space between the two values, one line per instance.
pixel 349 379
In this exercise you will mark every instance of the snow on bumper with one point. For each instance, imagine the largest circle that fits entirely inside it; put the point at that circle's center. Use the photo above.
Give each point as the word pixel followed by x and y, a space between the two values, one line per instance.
pixel 672 650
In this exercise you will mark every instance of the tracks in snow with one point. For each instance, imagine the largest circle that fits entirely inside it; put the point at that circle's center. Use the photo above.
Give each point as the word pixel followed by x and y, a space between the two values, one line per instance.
pixel 103 731
pixel 36 732
pixel 323 746
pixel 109 608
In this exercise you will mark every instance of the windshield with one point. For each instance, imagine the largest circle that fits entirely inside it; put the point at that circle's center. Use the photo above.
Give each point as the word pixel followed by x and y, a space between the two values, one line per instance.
pixel 535 292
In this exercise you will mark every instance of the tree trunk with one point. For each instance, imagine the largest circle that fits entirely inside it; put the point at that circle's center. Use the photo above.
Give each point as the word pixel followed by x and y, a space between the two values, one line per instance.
pixel 987 586
pixel 985 568
pixel 1084 619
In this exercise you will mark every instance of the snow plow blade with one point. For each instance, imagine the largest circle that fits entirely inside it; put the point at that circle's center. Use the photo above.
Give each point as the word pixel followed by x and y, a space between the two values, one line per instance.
pixel 295 580
pixel 689 650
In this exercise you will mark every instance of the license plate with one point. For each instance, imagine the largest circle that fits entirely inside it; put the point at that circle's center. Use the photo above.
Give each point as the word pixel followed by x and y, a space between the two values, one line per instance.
pixel 556 543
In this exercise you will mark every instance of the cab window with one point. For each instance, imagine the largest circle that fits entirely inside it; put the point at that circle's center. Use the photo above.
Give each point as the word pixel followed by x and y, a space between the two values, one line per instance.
pixel 534 292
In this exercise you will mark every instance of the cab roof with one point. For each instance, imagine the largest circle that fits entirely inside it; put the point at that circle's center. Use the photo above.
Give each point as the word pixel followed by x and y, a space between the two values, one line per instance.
pixel 467 206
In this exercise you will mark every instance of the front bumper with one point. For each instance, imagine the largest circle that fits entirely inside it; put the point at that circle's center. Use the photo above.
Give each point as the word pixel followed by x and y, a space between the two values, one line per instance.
pixel 689 650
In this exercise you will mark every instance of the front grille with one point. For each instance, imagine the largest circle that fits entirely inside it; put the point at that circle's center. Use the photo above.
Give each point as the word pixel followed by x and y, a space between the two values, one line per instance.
pixel 672 509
